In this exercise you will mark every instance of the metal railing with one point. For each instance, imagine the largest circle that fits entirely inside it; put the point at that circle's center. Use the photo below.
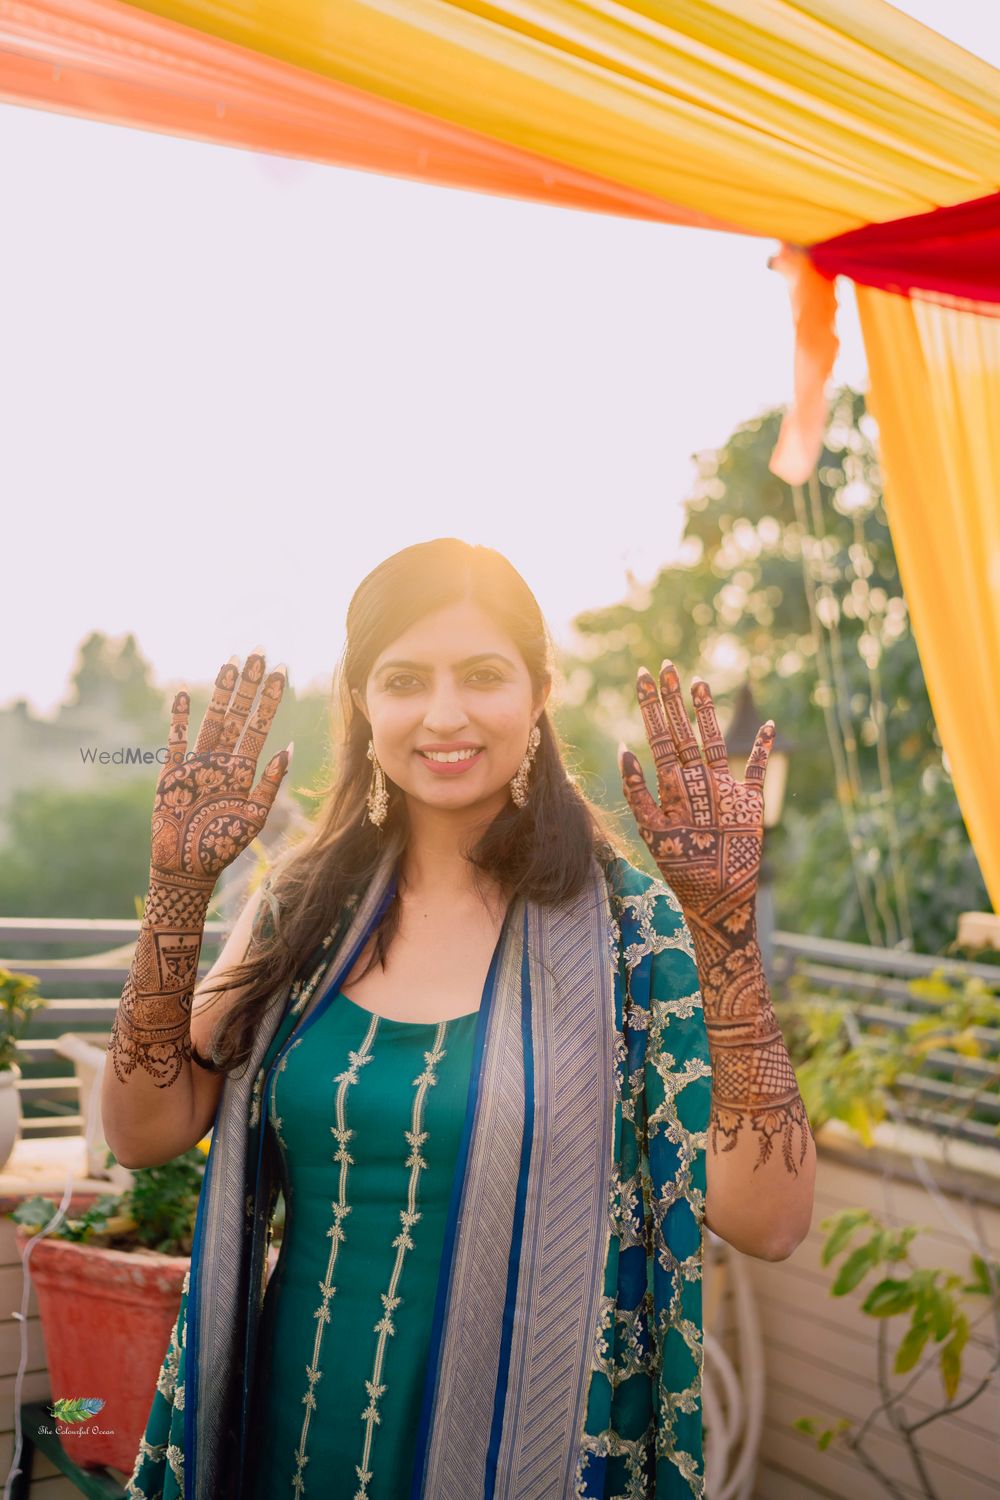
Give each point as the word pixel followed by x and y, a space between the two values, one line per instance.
pixel 81 994
pixel 877 983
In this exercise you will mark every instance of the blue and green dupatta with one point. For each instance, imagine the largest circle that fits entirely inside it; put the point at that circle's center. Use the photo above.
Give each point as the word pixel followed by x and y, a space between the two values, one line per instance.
pixel 570 1367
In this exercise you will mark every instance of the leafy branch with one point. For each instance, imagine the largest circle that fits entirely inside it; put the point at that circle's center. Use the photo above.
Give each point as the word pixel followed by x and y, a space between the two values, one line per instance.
pixel 19 999
pixel 157 1212
pixel 941 1310
pixel 858 1071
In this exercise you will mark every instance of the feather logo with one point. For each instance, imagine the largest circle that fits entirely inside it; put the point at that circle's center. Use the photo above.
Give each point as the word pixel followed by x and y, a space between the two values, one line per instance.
pixel 76 1408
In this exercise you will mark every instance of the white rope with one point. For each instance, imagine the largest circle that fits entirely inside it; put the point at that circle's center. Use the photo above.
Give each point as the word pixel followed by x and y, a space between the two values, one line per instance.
pixel 93 1116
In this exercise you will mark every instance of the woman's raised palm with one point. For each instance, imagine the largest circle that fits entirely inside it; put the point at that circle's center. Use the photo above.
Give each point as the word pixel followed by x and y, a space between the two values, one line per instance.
pixel 207 808
pixel 706 831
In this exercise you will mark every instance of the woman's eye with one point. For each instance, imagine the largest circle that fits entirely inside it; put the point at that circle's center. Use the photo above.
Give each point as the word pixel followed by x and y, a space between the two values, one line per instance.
pixel 404 682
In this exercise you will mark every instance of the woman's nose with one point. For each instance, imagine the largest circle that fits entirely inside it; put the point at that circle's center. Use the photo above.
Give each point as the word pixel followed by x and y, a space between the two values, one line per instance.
pixel 446 713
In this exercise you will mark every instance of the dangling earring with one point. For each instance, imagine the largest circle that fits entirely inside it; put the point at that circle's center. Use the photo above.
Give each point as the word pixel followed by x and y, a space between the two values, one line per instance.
pixel 519 782
pixel 378 795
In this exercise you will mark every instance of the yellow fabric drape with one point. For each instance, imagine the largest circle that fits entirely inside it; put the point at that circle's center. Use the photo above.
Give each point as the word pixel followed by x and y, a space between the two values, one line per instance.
pixel 122 65
pixel 935 393
pixel 787 118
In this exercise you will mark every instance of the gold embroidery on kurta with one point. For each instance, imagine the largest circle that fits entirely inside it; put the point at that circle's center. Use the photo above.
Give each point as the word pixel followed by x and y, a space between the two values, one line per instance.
pixel 403 1242
pixel 335 1234
pixel 275 1118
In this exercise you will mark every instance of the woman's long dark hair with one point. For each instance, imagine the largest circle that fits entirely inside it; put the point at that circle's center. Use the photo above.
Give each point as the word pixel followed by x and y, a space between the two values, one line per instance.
pixel 543 851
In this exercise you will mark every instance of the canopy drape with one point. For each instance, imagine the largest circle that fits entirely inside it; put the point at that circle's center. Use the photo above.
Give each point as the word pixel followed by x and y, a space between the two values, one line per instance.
pixel 839 127
pixel 935 393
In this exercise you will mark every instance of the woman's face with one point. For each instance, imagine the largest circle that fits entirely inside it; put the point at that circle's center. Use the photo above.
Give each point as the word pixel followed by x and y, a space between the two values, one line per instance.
pixel 450 705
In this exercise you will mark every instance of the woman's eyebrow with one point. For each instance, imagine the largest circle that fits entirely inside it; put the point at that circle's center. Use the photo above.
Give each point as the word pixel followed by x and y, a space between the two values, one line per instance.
pixel 423 666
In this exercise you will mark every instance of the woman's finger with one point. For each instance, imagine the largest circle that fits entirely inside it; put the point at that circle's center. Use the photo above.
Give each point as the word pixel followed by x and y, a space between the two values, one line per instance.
pixel 757 764
pixel 238 711
pixel 215 713
pixel 177 735
pixel 660 739
pixel 708 725
pixel 685 743
pixel 256 732
pixel 637 793
pixel 274 774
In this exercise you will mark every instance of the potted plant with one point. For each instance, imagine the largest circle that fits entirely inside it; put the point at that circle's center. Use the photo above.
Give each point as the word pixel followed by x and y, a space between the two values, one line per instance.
pixel 108 1280
pixel 88 1052
pixel 19 999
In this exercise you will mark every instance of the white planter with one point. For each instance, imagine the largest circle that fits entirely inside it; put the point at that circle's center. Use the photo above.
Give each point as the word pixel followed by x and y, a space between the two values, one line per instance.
pixel 89 1054
pixel 10 1112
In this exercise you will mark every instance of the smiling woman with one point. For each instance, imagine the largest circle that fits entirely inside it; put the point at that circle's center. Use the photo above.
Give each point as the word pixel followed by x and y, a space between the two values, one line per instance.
pixel 489 1277
pixel 447 653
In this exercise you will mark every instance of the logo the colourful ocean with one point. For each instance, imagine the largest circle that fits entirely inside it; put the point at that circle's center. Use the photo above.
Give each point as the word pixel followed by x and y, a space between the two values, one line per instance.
pixel 76 1408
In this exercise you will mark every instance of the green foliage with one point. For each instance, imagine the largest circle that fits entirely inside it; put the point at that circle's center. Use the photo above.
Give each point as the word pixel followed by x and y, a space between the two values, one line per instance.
pixel 91 1224
pixel 847 1223
pixel 824 1435
pixel 736 607
pixel 849 1073
pixel 856 1075
pixel 936 1307
pixel 157 1212
pixel 77 853
pixel 82 850
pixel 113 681
pixel 19 1000
pixel 164 1201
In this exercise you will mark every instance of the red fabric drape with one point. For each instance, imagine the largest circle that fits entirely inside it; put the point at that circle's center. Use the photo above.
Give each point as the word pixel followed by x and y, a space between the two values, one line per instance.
pixel 949 255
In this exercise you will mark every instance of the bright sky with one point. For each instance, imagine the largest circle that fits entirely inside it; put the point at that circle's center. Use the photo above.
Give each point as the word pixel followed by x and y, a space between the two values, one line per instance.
pixel 233 383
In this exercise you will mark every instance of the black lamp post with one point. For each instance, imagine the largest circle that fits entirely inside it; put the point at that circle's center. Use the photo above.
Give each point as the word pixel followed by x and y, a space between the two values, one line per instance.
pixel 740 736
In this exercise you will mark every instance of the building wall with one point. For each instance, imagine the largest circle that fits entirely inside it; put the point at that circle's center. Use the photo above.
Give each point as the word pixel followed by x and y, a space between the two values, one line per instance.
pixel 821 1351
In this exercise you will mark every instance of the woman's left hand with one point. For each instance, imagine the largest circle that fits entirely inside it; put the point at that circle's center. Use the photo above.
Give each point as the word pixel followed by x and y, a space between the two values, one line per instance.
pixel 707 831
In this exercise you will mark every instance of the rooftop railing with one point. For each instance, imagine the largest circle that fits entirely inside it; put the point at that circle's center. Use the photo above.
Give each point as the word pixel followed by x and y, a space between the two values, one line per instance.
pixel 957 1093
pixel 954 1092
pixel 81 994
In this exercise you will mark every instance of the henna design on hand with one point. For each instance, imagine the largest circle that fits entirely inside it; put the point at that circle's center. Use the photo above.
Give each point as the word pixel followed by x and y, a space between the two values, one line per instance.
pixel 706 835
pixel 206 811
pixel 752 1075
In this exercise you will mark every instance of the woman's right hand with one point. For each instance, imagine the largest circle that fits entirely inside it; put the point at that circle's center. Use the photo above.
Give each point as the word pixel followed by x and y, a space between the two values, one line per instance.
pixel 207 808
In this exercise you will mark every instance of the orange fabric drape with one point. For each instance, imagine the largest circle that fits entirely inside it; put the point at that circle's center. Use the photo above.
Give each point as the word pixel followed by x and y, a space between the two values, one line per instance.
pixel 110 61
pixel 814 313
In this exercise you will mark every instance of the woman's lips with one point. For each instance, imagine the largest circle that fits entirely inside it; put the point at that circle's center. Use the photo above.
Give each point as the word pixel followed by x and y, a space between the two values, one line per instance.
pixel 449 767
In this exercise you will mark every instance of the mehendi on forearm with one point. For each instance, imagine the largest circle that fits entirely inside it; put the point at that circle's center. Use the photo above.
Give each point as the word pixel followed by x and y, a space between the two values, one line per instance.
pixel 153 1020
pixel 753 1081
pixel 705 833
pixel 206 811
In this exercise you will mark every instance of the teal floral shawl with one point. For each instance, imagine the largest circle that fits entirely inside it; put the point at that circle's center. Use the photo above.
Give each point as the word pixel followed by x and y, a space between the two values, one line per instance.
pixel 590 1086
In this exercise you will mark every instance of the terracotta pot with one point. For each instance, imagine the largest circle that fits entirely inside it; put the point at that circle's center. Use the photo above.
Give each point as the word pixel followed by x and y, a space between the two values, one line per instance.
pixel 106 1318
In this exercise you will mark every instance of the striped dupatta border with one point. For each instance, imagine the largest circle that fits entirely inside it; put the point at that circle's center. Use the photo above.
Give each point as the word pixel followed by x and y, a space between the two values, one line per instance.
pixel 509 1365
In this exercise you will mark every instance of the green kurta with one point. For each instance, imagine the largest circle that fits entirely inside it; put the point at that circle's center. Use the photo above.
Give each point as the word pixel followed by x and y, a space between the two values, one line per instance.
pixel 367 1116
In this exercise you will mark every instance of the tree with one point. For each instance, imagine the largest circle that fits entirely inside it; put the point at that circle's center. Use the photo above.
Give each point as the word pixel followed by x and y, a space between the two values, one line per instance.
pixel 113 675
pixel 800 592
